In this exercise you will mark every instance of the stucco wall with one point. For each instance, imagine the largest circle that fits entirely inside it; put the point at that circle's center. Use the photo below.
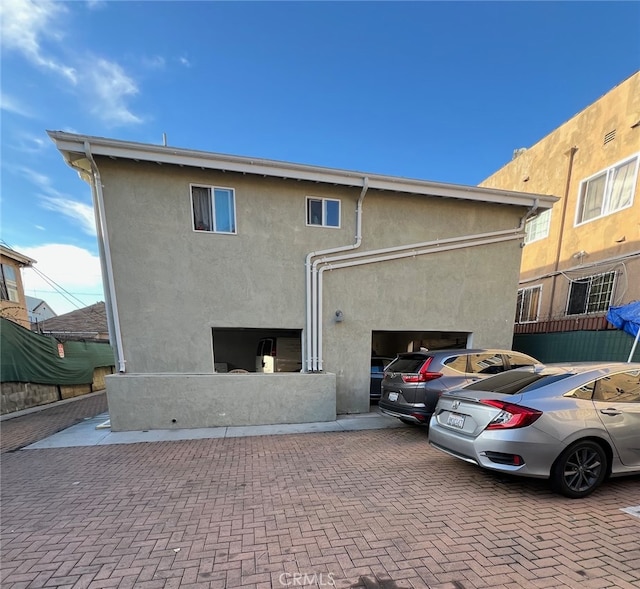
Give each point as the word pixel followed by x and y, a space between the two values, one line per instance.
pixel 174 285
pixel 546 168
pixel 174 401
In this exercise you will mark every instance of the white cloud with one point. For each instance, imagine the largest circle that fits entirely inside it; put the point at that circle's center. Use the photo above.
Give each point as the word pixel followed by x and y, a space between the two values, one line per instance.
pixel 110 87
pixel 77 211
pixel 12 105
pixel 24 24
pixel 157 62
pixel 40 180
pixel 184 61
pixel 31 143
pixel 96 4
pixel 28 25
pixel 74 272
pixel 53 200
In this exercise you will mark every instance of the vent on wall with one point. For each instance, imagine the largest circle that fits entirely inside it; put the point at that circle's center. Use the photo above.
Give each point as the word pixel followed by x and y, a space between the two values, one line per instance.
pixel 610 136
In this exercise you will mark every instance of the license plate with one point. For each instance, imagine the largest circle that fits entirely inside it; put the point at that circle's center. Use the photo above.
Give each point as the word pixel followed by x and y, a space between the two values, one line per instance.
pixel 393 396
pixel 455 420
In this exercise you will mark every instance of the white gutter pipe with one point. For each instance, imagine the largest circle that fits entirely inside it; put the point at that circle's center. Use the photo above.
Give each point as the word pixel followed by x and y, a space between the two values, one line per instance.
pixel 311 281
pixel 435 247
pixel 405 251
pixel 113 319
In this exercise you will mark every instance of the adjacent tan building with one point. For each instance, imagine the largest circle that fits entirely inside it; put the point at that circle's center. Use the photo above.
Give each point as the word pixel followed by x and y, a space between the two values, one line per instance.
pixel 206 254
pixel 13 304
pixel 582 256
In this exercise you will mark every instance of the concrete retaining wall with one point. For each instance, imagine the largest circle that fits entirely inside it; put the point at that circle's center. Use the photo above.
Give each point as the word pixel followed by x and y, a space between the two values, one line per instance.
pixel 176 401
pixel 17 396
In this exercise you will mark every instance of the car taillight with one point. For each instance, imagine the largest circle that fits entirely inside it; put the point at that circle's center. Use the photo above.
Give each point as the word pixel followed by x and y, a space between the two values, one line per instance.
pixel 511 416
pixel 423 374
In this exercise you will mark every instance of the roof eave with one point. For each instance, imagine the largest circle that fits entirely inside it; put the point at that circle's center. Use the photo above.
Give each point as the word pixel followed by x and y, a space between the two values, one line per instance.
pixel 22 260
pixel 72 147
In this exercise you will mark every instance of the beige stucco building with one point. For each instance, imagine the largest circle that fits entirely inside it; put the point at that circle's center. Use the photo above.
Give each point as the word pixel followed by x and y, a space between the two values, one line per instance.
pixel 13 304
pixel 583 256
pixel 205 254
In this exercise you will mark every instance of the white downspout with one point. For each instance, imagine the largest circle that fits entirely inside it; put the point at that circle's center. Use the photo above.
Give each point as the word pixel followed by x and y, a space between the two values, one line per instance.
pixel 113 319
pixel 429 248
pixel 311 283
pixel 412 250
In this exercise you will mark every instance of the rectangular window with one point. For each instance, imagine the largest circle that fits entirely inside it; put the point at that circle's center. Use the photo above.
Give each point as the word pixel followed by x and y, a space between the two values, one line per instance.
pixel 528 306
pixel 592 294
pixel 214 209
pixel 607 191
pixel 537 227
pixel 323 212
pixel 8 284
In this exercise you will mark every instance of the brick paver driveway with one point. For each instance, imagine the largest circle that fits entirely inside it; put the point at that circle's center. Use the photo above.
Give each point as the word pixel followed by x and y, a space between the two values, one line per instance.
pixel 356 509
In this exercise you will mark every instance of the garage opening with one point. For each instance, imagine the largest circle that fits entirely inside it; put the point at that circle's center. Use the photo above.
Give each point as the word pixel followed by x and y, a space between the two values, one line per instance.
pixel 391 343
pixel 239 348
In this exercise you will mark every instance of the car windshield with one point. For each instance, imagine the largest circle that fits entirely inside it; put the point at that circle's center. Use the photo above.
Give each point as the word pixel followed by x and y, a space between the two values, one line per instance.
pixel 515 382
pixel 407 364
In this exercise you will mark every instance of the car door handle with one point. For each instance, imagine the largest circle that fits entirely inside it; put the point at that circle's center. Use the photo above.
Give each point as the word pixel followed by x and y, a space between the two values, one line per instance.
pixel 610 411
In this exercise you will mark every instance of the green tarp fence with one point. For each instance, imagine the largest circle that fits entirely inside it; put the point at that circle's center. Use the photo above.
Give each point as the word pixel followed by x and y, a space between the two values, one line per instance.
pixel 30 357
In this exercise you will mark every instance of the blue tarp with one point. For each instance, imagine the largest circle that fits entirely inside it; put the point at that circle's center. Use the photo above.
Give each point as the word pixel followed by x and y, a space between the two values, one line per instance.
pixel 626 317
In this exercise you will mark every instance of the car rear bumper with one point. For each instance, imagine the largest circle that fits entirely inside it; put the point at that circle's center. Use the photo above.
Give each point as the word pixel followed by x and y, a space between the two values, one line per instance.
pixel 417 415
pixel 491 450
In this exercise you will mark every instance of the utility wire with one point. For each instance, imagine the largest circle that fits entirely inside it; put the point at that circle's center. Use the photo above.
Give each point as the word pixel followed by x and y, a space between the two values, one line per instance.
pixel 57 288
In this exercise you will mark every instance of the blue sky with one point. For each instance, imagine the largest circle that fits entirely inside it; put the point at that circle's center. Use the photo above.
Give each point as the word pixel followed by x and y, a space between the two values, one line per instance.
pixel 437 91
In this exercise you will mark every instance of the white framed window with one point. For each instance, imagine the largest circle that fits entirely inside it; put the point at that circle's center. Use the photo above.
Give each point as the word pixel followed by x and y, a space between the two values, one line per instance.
pixel 537 227
pixel 323 212
pixel 591 294
pixel 608 191
pixel 214 209
pixel 528 305
pixel 8 284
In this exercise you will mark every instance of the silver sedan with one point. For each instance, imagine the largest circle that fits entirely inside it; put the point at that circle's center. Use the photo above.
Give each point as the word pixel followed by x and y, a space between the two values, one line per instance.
pixel 576 424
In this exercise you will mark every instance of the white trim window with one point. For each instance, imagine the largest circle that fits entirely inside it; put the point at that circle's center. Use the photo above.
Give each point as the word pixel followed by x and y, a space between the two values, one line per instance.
pixel 528 305
pixel 592 294
pixel 608 191
pixel 537 227
pixel 214 209
pixel 8 284
pixel 323 212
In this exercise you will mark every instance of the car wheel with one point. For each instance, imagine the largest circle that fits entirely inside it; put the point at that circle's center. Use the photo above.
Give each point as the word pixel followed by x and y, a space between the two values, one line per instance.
pixel 580 469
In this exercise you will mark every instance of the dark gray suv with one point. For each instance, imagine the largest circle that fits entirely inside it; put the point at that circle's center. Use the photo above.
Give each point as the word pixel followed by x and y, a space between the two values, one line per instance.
pixel 414 381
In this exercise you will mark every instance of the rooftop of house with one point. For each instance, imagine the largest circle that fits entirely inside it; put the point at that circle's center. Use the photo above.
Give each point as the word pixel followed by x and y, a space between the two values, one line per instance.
pixel 21 259
pixel 79 152
pixel 86 323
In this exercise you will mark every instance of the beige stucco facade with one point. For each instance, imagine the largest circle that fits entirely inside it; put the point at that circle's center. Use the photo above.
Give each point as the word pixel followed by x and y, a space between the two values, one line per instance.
pixel 599 138
pixel 173 286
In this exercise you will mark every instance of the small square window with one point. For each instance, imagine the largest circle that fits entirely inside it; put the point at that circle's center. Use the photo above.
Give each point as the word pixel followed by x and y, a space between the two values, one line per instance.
pixel 537 227
pixel 214 209
pixel 323 212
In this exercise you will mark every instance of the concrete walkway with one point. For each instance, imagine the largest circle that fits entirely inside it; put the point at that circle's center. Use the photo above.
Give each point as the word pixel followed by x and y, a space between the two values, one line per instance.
pixel 96 431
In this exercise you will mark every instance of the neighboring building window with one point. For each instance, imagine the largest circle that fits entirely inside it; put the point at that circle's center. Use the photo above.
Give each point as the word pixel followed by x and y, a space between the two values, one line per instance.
pixel 8 284
pixel 591 294
pixel 214 209
pixel 323 212
pixel 538 227
pixel 608 191
pixel 528 305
